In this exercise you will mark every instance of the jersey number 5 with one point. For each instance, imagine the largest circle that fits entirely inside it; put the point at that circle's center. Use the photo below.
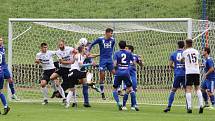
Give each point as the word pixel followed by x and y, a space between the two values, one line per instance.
pixel 192 58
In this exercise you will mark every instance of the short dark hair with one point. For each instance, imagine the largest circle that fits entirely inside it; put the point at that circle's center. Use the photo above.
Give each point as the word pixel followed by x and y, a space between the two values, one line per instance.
pixel 130 47
pixel 189 42
pixel 208 50
pixel 43 44
pixel 108 30
pixel 122 44
pixel 180 44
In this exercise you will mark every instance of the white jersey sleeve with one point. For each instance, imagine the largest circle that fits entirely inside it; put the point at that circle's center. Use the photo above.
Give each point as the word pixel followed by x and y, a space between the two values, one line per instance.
pixel 191 58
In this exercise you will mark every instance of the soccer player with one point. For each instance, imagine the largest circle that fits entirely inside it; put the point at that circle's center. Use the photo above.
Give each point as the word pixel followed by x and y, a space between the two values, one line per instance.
pixel 122 59
pixel 7 74
pixel 179 73
pixel 191 58
pixel 209 76
pixel 133 73
pixel 44 57
pixel 76 76
pixel 106 46
pixel 2 97
pixel 65 55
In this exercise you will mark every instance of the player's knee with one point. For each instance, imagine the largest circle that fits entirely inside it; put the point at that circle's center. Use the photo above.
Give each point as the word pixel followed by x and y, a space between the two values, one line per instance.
pixel 174 89
pixel 43 83
pixel 10 80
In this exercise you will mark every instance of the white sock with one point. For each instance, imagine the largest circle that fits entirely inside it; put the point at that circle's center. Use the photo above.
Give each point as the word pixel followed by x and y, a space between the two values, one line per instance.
pixel 44 91
pixel 53 85
pixel 74 97
pixel 199 94
pixel 61 91
pixel 89 77
pixel 189 100
pixel 69 96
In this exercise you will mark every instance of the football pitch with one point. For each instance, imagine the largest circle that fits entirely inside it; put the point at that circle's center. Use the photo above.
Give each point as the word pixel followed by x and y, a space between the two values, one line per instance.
pixel 100 112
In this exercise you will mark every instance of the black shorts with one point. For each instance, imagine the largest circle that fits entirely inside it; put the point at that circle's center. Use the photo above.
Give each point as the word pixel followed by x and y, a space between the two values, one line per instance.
pixel 63 72
pixel 47 74
pixel 74 76
pixel 192 79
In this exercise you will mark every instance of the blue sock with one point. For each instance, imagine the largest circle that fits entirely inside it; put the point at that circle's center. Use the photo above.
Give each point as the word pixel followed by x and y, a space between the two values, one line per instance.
pixel 85 93
pixel 212 99
pixel 115 95
pixel 133 98
pixel 205 96
pixel 132 103
pixel 171 98
pixel 102 87
pixel 125 98
pixel 3 100
pixel 11 85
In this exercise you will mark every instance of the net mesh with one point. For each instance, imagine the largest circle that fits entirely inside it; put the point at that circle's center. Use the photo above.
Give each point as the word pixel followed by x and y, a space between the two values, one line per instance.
pixel 153 41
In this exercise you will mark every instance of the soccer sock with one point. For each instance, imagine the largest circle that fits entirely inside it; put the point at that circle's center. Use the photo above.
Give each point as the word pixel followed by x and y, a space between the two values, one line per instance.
pixel 205 96
pixel 125 98
pixel 102 87
pixel 11 85
pixel 69 97
pixel 199 94
pixel 53 85
pixel 74 97
pixel 171 98
pixel 44 91
pixel 61 91
pixel 3 100
pixel 133 98
pixel 89 77
pixel 85 93
pixel 115 95
pixel 212 99
pixel 189 100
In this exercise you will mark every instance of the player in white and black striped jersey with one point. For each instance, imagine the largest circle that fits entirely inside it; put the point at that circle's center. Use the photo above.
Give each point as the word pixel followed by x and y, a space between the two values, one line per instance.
pixel 76 76
pixel 191 58
pixel 65 55
pixel 44 57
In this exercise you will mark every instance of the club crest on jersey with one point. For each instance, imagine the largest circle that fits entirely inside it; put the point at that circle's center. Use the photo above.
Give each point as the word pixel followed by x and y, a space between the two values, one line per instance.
pixel 107 44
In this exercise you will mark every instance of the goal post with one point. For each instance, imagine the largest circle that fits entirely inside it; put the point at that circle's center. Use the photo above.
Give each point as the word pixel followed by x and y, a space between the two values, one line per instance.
pixel 154 39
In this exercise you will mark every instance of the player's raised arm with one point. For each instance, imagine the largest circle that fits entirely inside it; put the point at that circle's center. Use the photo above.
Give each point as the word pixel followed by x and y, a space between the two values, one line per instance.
pixel 93 43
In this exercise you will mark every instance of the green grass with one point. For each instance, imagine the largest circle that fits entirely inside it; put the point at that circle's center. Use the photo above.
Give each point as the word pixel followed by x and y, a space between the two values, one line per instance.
pixel 100 112
pixel 95 9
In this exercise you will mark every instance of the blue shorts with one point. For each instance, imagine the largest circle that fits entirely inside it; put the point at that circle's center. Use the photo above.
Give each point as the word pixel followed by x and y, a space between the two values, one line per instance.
pixel 179 81
pixel 118 81
pixel 1 80
pixel 7 73
pixel 208 85
pixel 103 65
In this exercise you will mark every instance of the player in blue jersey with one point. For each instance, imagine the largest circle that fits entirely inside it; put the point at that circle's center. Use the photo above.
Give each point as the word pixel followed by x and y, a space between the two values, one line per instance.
pixel 122 59
pixel 179 73
pixel 209 78
pixel 7 74
pixel 106 46
pixel 133 71
pixel 2 97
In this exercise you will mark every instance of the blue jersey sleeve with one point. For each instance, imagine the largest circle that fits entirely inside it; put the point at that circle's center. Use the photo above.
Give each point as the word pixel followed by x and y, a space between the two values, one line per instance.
pixel 171 58
pixel 131 57
pixel 115 57
pixel 94 43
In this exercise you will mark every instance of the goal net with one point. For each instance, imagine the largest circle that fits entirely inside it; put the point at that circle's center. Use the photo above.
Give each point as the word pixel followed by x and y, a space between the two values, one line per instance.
pixel 153 39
